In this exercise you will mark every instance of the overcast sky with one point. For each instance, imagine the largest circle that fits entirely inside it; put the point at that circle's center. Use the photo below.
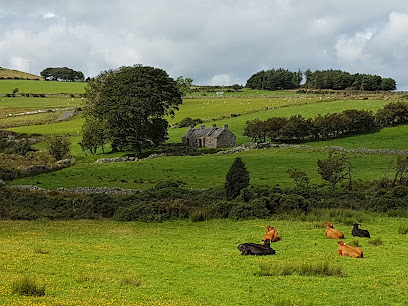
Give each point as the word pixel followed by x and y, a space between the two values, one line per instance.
pixel 215 42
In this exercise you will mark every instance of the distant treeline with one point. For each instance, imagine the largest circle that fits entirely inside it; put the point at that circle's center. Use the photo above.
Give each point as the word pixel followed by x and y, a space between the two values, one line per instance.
pixel 320 79
pixel 326 126
pixel 275 79
pixel 62 74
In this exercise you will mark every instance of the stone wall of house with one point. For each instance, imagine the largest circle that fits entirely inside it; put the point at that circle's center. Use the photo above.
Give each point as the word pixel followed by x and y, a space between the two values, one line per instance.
pixel 210 142
pixel 226 139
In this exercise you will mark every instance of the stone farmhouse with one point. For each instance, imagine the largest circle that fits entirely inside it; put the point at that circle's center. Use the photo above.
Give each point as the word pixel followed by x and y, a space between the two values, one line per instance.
pixel 212 137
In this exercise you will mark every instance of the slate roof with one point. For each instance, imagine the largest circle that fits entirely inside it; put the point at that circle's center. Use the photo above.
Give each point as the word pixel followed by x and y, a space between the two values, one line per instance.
pixel 201 132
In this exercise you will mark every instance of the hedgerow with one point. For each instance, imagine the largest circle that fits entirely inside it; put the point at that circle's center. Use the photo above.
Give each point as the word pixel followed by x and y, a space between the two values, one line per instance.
pixel 166 202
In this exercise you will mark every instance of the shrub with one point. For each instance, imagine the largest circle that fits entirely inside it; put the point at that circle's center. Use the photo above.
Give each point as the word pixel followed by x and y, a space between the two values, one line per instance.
pixel 197 215
pixel 59 146
pixel 254 209
pixel 169 184
pixel 27 286
pixel 187 122
pixel 220 209
pixel 400 191
pixel 7 175
pixel 292 202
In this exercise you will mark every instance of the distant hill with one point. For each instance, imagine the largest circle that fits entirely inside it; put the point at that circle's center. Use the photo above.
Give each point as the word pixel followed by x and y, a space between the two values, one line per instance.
pixel 17 75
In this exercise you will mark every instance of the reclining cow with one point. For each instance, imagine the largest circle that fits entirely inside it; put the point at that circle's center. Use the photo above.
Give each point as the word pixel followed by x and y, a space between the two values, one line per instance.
pixel 271 234
pixel 332 233
pixel 347 250
pixel 358 232
pixel 256 249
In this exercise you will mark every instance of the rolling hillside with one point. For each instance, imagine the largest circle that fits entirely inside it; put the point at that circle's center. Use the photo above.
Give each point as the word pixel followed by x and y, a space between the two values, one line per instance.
pixel 15 74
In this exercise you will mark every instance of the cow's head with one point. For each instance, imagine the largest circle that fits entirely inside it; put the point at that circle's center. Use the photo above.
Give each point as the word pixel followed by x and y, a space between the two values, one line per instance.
pixel 340 243
pixel 329 224
pixel 270 228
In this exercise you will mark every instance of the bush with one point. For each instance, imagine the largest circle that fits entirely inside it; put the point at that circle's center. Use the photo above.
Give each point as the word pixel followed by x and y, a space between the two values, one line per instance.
pixel 169 184
pixel 27 286
pixel 7 175
pixel 197 215
pixel 292 202
pixel 59 146
pixel 254 209
pixel 400 191
pixel 187 122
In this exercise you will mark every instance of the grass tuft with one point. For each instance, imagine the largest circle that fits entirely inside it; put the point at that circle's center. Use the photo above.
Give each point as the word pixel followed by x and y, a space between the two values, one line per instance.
pixel 287 302
pixel 28 286
pixel 130 281
pixel 402 230
pixel 40 250
pixel 376 241
pixel 303 269
pixel 354 243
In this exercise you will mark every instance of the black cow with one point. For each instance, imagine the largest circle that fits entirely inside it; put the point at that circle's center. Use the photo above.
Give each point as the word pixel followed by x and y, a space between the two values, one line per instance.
pixel 256 249
pixel 359 232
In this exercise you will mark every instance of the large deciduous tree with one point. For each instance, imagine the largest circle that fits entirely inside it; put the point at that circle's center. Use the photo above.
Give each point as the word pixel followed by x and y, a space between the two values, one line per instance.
pixel 133 100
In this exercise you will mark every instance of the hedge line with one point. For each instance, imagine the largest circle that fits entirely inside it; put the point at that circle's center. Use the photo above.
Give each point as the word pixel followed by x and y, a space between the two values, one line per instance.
pixel 166 203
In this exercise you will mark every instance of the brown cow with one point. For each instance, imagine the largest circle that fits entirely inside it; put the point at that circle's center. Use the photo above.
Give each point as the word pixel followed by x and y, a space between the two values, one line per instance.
pixel 347 250
pixel 332 233
pixel 271 234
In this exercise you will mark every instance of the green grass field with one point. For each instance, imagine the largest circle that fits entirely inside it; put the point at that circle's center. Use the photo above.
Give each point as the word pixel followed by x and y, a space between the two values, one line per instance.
pixel 183 263
pixel 266 167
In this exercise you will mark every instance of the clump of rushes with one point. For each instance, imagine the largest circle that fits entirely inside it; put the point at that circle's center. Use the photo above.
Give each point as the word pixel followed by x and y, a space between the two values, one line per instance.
pixel 27 286
pixel 304 269
pixel 354 243
pixel 402 230
pixel 376 241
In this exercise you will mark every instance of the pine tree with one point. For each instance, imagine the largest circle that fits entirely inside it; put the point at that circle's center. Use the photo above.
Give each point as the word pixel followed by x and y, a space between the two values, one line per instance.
pixel 237 178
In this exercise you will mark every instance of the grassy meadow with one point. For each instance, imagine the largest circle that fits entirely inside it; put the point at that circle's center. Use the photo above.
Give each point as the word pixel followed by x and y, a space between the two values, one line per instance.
pixel 103 262
pixel 266 167
pixel 183 263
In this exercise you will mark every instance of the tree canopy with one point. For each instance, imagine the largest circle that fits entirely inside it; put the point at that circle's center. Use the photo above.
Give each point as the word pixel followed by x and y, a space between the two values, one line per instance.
pixel 278 79
pixel 132 102
pixel 236 179
pixel 62 74
pixel 275 79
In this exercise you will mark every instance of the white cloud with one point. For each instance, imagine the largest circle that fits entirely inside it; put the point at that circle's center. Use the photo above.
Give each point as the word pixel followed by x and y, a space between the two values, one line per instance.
pixel 350 49
pixel 222 79
pixel 49 15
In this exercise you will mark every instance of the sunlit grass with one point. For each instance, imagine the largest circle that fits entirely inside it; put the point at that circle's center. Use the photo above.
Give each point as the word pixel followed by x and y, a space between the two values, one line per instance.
pixel 191 263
